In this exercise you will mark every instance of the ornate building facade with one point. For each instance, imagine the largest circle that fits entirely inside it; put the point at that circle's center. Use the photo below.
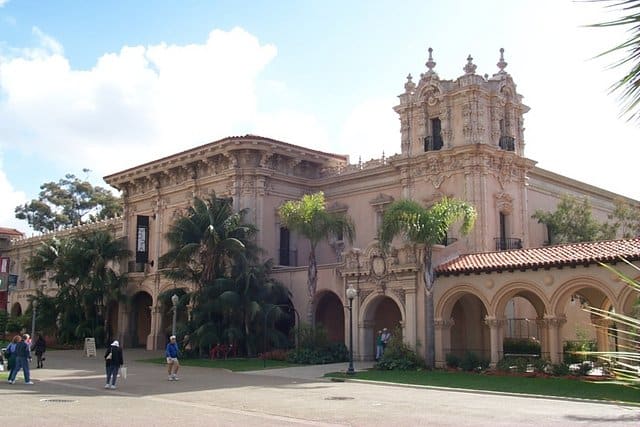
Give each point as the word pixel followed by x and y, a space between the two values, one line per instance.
pixel 462 138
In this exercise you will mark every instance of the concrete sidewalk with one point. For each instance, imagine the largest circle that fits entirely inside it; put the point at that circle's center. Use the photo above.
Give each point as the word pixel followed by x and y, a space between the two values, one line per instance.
pixel 69 392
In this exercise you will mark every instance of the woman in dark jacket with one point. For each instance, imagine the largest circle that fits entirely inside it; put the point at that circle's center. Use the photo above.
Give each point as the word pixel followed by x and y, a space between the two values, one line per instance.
pixel 39 348
pixel 114 360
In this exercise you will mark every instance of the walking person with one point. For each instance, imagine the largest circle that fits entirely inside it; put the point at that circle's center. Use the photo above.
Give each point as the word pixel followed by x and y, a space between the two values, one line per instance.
pixel 171 354
pixel 23 357
pixel 39 348
pixel 113 361
pixel 10 352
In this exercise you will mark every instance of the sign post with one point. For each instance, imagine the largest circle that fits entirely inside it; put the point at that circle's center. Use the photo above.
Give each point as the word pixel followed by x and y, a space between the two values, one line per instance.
pixel 90 347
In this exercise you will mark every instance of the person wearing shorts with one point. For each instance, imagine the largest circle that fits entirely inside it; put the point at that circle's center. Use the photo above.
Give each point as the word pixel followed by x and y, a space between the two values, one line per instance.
pixel 172 358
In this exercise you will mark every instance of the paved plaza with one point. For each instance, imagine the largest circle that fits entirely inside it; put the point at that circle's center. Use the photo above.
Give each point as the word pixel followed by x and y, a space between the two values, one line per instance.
pixel 69 392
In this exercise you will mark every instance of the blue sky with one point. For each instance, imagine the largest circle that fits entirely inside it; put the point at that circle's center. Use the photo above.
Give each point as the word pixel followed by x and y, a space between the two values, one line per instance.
pixel 108 85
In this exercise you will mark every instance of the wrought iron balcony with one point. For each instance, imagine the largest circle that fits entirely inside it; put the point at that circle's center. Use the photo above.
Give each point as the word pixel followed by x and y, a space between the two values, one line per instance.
pixel 507 243
pixel 288 258
pixel 508 143
pixel 432 143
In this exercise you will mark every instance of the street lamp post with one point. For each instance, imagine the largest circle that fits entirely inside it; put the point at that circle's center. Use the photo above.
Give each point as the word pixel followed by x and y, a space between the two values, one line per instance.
pixel 351 294
pixel 174 300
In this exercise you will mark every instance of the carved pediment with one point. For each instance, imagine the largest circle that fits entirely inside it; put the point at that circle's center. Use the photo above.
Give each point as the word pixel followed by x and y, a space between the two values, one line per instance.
pixel 337 207
pixel 381 201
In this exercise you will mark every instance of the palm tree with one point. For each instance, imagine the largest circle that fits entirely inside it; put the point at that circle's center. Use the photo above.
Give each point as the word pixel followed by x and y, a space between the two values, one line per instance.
pixel 204 242
pixel 425 227
pixel 249 294
pixel 85 269
pixel 629 85
pixel 309 218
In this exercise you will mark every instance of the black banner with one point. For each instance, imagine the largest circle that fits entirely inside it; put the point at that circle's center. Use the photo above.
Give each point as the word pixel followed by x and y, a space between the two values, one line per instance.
pixel 142 239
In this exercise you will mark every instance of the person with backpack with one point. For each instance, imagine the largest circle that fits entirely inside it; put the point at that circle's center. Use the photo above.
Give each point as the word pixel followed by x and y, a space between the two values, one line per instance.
pixel 10 354
pixel 113 361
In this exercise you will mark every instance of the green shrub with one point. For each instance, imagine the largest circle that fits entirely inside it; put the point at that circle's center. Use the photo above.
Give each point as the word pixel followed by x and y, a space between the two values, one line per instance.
pixel 560 369
pixel 314 347
pixel 472 362
pixel 398 355
pixel 520 364
pixel 452 360
pixel 521 346
pixel 572 350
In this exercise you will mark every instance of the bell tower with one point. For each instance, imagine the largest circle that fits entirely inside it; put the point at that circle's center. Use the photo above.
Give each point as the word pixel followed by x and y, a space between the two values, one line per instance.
pixel 438 114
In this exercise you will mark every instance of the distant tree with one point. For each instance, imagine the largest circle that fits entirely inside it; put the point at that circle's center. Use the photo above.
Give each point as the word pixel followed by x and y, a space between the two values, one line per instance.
pixel 573 222
pixel 70 201
pixel 628 87
pixel 626 218
pixel 309 218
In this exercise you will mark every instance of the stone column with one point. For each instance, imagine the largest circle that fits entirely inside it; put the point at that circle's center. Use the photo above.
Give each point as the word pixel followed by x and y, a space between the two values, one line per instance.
pixel 496 343
pixel 443 340
pixel 411 319
pixel 365 350
pixel 543 336
pixel 154 334
pixel 555 347
pixel 124 325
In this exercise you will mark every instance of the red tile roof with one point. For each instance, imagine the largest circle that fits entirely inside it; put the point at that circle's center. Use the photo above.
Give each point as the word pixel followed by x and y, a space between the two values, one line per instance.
pixel 544 257
pixel 10 231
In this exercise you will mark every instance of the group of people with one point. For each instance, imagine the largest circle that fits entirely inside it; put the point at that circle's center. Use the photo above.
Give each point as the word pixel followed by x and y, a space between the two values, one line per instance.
pixel 381 342
pixel 18 354
pixel 114 359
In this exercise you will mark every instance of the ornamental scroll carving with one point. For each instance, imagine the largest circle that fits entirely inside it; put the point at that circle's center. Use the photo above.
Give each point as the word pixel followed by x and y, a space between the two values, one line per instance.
pixel 504 203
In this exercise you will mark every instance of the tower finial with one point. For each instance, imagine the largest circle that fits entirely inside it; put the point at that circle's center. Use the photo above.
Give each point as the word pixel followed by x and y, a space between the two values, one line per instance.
pixel 409 86
pixel 470 68
pixel 430 62
pixel 502 64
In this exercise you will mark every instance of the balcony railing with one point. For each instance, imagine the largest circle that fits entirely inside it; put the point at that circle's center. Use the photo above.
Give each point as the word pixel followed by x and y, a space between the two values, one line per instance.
pixel 508 143
pixel 288 258
pixel 507 243
pixel 432 143
pixel 136 267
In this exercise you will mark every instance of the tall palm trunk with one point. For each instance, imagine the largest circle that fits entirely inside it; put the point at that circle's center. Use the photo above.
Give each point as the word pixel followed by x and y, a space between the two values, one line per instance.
pixel 430 353
pixel 312 281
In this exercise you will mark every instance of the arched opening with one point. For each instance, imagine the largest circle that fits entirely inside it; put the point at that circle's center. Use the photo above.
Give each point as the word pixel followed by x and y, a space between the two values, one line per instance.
pixel 469 332
pixel 141 319
pixel 520 313
pixel 582 330
pixel 16 310
pixel 382 312
pixel 330 313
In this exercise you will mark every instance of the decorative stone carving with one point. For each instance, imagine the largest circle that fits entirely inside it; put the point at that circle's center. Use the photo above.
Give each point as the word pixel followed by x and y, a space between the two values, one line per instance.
pixel 444 323
pixel 400 293
pixel 363 294
pixel 504 203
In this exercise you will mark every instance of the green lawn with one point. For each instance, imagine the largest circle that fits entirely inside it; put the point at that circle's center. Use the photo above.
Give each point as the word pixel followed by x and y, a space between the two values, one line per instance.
pixel 552 386
pixel 235 364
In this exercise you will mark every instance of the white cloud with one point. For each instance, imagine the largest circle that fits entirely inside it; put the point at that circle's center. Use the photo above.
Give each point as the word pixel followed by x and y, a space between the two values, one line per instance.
pixel 370 129
pixel 133 106
pixel 10 199
pixel 3 2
